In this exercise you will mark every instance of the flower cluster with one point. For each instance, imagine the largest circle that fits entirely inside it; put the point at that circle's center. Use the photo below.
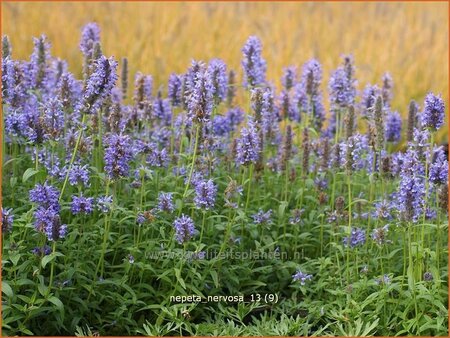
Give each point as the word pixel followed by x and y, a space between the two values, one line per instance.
pixel 200 103
pixel 47 218
pixel 7 219
pixel 379 235
pixel 205 194
pixel 301 277
pixel 82 205
pixel 439 168
pixel 393 127
pixel 262 217
pixel 45 196
pixel 118 154
pixel 99 85
pixel 174 89
pixel 184 229
pixel 253 64
pixel 342 91
pixel 104 203
pixel 383 210
pixel 89 36
pixel 411 191
pixel 248 145
pixel 357 238
pixel 289 78
pixel 165 202
pixel 434 112
pixel 79 175
pixel 217 70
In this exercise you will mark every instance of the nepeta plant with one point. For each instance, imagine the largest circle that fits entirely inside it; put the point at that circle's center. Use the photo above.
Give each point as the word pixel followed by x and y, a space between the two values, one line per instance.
pixel 118 200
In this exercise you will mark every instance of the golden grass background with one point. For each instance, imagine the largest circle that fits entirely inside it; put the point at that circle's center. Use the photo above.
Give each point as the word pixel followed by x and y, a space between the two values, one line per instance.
pixel 410 40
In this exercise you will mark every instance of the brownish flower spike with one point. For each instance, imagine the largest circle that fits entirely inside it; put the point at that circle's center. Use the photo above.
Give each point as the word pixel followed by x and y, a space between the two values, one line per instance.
pixel 379 124
pixel 412 112
pixel 306 151
pixel 124 77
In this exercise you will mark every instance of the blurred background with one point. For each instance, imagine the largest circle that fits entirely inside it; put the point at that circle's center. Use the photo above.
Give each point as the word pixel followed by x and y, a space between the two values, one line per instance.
pixel 409 40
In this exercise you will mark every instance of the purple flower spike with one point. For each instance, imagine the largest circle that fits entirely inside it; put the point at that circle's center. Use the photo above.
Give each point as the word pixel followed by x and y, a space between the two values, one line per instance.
pixel 165 202
pixel 184 229
pixel 248 146
pixel 118 154
pixel 99 85
pixel 48 221
pixel 439 168
pixel 289 78
pixel 174 91
pixel 45 196
pixel 434 112
pixel 82 205
pixel 356 238
pixel 393 127
pixel 217 70
pixel 312 77
pixel 342 92
pixel 205 194
pixel 89 36
pixel 369 96
pixel 79 175
pixel 200 103
pixel 104 203
pixel 411 192
pixel 253 63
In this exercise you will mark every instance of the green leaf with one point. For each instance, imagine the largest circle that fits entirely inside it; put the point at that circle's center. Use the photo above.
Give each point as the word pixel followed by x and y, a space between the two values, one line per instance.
pixel 179 278
pixel 42 289
pixel 369 328
pixel 30 172
pixel 47 259
pixel 24 330
pixel 13 181
pixel 6 289
pixel 309 182
pixel 15 258
pixel 57 302
pixel 281 209
pixel 215 277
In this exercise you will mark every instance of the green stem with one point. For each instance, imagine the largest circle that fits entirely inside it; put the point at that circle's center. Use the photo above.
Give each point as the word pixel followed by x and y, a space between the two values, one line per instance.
pixel 36 158
pixel 250 176
pixel 105 236
pixel 286 174
pixel 239 204
pixel 404 256
pixel 426 194
pixel 411 267
pixel 189 178
pixel 383 285
pixel 80 133
pixel 52 268
pixel 193 161
pixel 100 138
pixel 349 229
pixel 180 150
pixel 321 236
pixel 227 234
pixel 438 236
pixel 203 226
